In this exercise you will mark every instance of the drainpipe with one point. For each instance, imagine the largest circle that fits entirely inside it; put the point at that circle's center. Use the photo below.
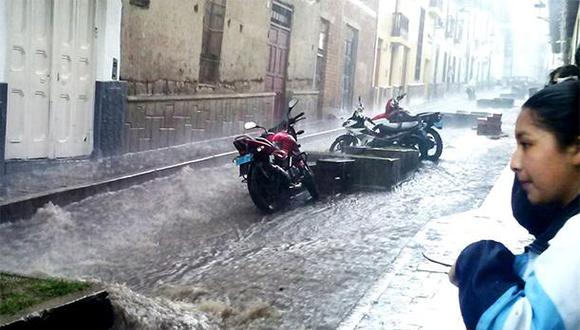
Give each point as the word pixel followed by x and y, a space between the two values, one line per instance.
pixel 377 53
pixel 4 10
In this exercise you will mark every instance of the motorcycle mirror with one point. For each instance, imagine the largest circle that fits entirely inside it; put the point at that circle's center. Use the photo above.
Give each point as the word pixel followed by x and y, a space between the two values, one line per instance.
pixel 292 103
pixel 250 125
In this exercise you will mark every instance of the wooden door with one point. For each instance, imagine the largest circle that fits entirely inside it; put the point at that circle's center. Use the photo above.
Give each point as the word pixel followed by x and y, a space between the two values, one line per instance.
pixel 278 39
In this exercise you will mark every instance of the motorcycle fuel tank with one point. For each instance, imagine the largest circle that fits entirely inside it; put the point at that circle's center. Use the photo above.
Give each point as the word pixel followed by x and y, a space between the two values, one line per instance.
pixel 285 141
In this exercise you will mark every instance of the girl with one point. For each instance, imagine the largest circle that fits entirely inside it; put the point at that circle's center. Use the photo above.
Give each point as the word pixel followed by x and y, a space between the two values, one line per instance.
pixel 539 289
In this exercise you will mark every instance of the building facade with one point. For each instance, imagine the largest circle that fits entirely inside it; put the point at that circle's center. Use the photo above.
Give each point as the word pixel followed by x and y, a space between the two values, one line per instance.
pixel 427 48
pixel 233 62
pixel 134 75
pixel 239 61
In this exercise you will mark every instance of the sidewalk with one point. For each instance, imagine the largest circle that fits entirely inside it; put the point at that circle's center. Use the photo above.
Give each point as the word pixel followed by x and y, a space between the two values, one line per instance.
pixel 28 179
pixel 415 293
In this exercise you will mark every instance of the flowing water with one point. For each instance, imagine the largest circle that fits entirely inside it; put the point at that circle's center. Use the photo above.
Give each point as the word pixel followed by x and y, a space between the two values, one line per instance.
pixel 192 251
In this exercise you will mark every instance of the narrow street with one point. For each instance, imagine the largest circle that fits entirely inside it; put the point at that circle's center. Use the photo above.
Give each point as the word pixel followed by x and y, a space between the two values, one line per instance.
pixel 197 237
pixel 118 177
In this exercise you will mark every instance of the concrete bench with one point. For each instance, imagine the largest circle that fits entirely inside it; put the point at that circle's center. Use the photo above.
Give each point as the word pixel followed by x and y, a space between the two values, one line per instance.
pixel 409 157
pixel 334 174
pixel 378 169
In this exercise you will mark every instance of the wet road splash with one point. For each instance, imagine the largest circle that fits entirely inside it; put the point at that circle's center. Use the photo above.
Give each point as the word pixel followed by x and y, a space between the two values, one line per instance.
pixel 196 240
pixel 137 312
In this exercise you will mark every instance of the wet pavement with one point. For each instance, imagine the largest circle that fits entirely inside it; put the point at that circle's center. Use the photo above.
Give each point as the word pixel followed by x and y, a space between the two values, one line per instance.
pixel 415 293
pixel 196 236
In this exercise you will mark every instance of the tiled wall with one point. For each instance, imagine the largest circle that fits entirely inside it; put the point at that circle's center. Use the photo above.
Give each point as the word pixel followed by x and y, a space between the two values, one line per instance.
pixel 153 122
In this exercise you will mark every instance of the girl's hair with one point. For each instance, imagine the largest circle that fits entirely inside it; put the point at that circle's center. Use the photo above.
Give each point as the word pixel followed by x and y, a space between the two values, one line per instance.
pixel 555 108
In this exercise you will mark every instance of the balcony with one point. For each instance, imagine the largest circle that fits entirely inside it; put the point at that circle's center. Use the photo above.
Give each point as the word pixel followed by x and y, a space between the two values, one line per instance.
pixel 400 26
pixel 435 8
pixel 436 3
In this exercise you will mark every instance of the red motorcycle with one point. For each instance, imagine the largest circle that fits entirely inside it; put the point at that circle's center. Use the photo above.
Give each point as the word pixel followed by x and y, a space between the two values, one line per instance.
pixel 392 108
pixel 272 164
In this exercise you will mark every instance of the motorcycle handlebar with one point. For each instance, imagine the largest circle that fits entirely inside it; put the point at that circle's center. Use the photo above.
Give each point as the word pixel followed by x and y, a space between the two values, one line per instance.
pixel 298 116
pixel 400 97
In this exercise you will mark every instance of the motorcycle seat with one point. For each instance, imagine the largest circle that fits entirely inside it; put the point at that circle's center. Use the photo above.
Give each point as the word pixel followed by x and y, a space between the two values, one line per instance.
pixel 390 128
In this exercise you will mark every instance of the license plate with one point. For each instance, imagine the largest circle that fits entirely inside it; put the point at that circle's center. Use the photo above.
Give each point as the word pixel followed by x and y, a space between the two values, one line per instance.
pixel 438 124
pixel 241 160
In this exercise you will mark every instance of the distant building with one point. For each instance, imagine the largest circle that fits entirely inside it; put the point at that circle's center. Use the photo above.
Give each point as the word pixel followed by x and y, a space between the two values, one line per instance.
pixel 564 28
pixel 432 47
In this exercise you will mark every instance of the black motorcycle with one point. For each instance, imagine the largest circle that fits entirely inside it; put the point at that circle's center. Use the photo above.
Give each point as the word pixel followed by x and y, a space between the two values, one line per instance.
pixel 415 132
pixel 397 128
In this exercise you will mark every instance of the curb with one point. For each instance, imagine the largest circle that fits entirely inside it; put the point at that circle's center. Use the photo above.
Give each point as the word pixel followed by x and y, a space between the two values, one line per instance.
pixel 26 206
pixel 92 311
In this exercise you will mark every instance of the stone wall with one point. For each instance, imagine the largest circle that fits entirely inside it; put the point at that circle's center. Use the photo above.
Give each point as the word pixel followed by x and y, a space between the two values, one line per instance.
pixel 308 103
pixel 362 17
pixel 167 105
pixel 415 91
pixel 161 121
pixel 161 42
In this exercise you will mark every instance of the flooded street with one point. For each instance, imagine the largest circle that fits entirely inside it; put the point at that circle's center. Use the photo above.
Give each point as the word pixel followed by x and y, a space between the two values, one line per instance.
pixel 197 237
pixel 122 121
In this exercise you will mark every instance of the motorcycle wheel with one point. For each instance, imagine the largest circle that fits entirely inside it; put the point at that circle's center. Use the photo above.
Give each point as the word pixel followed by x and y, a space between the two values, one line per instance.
pixel 341 142
pixel 269 195
pixel 434 153
pixel 310 184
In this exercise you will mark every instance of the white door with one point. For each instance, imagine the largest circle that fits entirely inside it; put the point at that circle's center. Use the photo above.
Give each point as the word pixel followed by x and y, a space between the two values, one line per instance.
pixel 29 75
pixel 51 81
pixel 72 93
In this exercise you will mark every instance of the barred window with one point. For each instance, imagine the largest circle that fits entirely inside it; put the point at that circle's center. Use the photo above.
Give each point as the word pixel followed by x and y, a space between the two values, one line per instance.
pixel 211 45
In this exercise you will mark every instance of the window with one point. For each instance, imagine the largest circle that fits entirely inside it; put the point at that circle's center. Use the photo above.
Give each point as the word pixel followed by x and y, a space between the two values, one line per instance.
pixel 420 46
pixel 211 45
pixel 321 53
pixel 140 3
pixel 349 69
pixel 444 67
pixel 281 15
pixel 450 27
pixel 378 54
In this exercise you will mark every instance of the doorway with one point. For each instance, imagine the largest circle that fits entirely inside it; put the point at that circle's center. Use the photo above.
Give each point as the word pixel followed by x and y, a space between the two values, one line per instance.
pixel 50 79
pixel 349 69
pixel 278 46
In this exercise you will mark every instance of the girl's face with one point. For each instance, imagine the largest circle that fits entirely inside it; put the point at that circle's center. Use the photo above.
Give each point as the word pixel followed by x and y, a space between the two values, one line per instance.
pixel 548 173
